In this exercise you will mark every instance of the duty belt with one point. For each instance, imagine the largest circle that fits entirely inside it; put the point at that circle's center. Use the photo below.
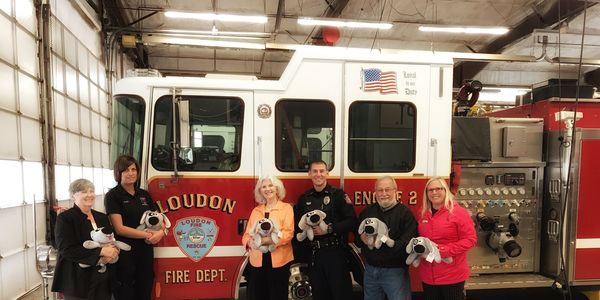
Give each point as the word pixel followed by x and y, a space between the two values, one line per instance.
pixel 327 242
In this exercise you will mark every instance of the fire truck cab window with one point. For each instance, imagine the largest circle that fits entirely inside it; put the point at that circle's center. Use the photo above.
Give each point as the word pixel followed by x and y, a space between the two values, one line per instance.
pixel 304 132
pixel 216 125
pixel 127 126
pixel 381 136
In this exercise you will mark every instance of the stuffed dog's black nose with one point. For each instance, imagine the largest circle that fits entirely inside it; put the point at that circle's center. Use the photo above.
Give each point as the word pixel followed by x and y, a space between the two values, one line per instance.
pixel 315 219
pixel 369 229
pixel 265 226
pixel 153 220
pixel 419 248
pixel 107 230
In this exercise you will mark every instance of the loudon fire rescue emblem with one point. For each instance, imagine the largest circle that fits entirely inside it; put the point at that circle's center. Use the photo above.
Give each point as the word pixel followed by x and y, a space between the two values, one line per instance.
pixel 196 236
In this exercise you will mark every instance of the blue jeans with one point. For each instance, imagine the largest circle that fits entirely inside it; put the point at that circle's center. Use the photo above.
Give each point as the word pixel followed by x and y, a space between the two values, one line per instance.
pixel 391 282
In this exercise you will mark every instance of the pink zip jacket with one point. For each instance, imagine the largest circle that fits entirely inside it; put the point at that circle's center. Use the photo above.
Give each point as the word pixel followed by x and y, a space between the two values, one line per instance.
pixel 454 233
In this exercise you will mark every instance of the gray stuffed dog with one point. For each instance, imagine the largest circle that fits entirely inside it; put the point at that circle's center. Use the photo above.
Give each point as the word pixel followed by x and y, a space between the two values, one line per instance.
pixel 308 221
pixel 377 233
pixel 153 220
pixel 264 228
pixel 103 237
pixel 422 247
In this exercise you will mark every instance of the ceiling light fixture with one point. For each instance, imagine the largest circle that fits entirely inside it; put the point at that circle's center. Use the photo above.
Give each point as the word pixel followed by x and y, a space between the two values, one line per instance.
pixel 344 23
pixel 501 95
pixel 216 17
pixel 464 29
pixel 217 33
pixel 157 39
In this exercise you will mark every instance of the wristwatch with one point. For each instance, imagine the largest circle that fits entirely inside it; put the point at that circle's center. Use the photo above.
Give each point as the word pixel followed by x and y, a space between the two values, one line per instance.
pixel 330 229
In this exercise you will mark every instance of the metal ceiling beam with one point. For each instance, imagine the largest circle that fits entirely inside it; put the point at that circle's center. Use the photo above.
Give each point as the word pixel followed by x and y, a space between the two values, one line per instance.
pixel 142 18
pixel 279 17
pixel 116 18
pixel 546 14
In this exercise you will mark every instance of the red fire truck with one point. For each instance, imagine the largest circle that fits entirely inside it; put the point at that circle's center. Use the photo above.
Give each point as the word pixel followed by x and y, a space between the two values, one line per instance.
pixel 203 142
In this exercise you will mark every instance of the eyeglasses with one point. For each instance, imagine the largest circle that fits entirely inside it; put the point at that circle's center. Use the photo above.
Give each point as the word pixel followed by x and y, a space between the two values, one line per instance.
pixel 436 189
pixel 385 190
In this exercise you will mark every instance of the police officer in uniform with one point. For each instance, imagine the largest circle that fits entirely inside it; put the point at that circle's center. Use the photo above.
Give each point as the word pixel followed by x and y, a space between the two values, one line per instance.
pixel 330 270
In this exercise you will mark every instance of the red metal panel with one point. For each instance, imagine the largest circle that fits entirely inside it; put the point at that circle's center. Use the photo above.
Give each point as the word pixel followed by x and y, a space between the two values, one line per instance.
pixel 588 204
pixel 587 211
pixel 224 200
pixel 586 264
pixel 181 278
pixel 546 109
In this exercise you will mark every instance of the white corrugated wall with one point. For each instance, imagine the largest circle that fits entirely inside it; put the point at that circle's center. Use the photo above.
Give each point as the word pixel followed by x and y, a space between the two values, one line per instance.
pixel 81 120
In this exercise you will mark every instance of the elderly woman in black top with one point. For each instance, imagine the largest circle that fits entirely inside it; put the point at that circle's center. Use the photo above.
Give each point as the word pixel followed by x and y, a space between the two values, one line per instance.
pixel 73 227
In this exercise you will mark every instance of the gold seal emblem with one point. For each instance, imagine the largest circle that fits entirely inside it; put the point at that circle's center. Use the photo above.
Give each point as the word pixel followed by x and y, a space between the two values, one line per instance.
pixel 326 200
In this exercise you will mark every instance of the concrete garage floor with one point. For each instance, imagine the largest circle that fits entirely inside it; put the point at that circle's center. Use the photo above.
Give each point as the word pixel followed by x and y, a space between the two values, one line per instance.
pixel 506 294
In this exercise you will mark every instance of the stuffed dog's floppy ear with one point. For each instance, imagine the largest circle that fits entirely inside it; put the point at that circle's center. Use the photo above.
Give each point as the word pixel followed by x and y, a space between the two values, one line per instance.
pixel 381 229
pixel 361 228
pixel 409 247
pixel 275 226
pixel 382 234
pixel 253 228
pixel 167 222
pixel 144 216
pixel 302 224
pixel 322 214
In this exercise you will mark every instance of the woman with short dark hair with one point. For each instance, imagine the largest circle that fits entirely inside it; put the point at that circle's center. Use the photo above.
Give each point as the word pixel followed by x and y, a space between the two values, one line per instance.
pixel 125 204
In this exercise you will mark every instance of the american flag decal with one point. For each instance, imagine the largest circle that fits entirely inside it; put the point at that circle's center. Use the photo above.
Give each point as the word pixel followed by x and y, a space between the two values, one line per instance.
pixel 374 79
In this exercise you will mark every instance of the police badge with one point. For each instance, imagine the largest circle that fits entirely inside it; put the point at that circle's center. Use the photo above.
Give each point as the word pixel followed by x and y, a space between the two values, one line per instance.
pixel 326 200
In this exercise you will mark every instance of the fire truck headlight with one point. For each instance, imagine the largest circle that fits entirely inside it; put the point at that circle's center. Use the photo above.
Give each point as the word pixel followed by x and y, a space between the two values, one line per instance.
pixel 299 286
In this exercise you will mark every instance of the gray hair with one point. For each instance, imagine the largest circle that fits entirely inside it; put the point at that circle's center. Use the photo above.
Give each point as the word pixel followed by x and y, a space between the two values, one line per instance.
pixel 80 185
pixel 258 197
pixel 385 177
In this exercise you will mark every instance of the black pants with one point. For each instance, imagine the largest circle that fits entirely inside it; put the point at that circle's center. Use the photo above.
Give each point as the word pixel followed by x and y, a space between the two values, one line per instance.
pixel 135 273
pixel 330 275
pixel 268 283
pixel 454 291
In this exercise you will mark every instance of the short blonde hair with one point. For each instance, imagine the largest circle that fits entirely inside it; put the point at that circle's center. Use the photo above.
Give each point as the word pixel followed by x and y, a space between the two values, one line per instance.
pixel 448 199
pixel 258 197
pixel 80 185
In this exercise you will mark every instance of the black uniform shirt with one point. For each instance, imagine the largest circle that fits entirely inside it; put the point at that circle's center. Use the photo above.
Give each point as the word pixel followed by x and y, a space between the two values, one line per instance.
pixel 130 207
pixel 332 201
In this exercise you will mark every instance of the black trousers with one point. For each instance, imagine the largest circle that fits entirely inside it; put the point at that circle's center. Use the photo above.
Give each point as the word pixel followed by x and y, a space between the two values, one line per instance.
pixel 330 274
pixel 268 283
pixel 454 291
pixel 135 273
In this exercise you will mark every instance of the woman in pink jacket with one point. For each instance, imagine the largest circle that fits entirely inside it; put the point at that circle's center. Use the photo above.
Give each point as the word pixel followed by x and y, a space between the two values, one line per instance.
pixel 450 226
